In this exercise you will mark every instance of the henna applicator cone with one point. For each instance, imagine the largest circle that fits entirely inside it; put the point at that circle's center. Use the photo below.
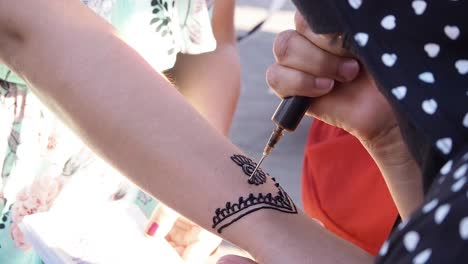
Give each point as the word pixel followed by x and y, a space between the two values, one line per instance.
pixel 287 117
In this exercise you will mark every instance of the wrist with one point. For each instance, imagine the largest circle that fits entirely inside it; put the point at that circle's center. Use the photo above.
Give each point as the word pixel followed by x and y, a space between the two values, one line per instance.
pixel 275 236
pixel 400 171
pixel 388 148
pixel 299 239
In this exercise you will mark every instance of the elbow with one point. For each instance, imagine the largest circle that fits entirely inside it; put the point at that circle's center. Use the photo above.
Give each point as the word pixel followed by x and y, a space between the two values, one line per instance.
pixel 10 47
pixel 229 55
pixel 12 37
pixel 226 40
pixel 11 43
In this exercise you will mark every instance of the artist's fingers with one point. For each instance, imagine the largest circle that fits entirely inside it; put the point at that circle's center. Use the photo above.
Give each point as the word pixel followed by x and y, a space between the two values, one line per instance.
pixel 286 82
pixel 180 233
pixel 161 222
pixel 201 247
pixel 332 43
pixel 293 50
pixel 232 259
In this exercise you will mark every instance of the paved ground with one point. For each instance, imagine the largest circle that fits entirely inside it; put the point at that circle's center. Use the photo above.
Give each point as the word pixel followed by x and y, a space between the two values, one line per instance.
pixel 252 124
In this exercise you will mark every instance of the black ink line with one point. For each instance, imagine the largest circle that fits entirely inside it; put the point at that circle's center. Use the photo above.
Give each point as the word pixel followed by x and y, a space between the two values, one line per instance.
pixel 220 229
pixel 278 201
pixel 281 202
pixel 248 166
pixel 233 212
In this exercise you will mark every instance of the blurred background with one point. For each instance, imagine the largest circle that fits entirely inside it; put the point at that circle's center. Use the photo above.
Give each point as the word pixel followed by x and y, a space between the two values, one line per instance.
pixel 252 125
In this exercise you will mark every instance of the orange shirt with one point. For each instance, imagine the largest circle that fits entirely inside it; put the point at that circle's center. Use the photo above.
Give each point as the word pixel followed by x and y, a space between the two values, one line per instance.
pixel 343 188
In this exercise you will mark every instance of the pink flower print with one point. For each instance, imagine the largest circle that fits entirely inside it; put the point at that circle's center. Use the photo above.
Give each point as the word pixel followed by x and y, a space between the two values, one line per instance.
pixel 2 199
pixel 199 6
pixel 195 33
pixel 18 237
pixel 52 143
pixel 38 197
pixel 209 3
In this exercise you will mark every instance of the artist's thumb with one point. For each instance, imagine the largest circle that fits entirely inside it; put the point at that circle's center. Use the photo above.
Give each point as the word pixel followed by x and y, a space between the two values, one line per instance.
pixel 233 259
pixel 161 221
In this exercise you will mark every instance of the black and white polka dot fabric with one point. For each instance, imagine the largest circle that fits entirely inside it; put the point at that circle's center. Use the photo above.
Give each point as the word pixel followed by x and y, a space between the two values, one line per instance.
pixel 438 231
pixel 417 50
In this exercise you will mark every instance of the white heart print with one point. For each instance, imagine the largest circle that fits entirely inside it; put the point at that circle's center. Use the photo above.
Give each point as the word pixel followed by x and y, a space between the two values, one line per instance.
pixel 429 106
pixel 441 213
pixel 444 145
pixel 452 32
pixel 430 205
pixel 441 180
pixel 384 249
pixel 446 168
pixel 389 59
pixel 458 185
pixel 399 92
pixel 460 172
pixel 355 3
pixel 423 256
pixel 432 49
pixel 419 7
pixel 465 120
pixel 388 22
pixel 411 240
pixel 464 228
pixel 361 38
pixel 402 224
pixel 427 77
pixel 462 66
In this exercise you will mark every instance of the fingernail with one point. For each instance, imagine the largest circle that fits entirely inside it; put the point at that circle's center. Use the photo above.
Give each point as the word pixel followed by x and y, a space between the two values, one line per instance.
pixel 348 69
pixel 226 261
pixel 324 83
pixel 233 259
pixel 152 229
pixel 215 250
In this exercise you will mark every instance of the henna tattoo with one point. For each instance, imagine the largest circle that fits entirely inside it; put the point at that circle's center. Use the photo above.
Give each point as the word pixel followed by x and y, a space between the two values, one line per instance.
pixel 248 166
pixel 233 212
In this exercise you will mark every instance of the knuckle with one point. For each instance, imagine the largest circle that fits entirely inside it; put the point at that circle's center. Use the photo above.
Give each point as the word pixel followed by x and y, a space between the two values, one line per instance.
pixel 323 63
pixel 303 82
pixel 276 79
pixel 300 23
pixel 272 77
pixel 327 66
pixel 282 43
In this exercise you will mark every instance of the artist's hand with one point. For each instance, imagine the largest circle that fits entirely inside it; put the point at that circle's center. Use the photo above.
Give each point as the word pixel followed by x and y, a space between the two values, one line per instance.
pixel 233 259
pixel 317 66
pixel 346 96
pixel 193 243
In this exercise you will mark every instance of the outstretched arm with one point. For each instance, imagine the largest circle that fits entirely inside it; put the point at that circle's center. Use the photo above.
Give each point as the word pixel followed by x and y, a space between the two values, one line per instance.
pixel 211 81
pixel 135 120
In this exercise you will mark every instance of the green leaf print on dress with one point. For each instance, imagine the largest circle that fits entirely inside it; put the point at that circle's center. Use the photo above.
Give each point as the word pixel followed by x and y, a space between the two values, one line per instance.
pixel 163 12
pixel 14 99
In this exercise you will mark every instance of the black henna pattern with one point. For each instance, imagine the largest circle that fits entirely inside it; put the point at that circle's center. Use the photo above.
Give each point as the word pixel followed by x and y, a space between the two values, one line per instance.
pixel 232 212
pixel 248 166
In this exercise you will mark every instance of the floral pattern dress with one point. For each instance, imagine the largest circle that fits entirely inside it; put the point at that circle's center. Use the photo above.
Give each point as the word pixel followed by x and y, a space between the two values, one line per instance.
pixel 39 155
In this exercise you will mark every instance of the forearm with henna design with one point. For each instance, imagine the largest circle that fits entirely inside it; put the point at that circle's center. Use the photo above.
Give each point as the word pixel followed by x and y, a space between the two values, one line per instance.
pixel 245 205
